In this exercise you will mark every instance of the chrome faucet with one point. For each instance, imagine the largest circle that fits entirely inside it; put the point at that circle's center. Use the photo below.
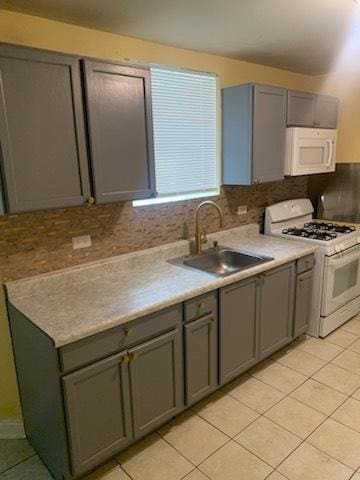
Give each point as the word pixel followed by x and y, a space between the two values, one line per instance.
pixel 200 238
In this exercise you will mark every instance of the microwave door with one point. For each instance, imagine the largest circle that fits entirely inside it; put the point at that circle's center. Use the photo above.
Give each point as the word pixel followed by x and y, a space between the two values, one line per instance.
pixel 341 280
pixel 314 156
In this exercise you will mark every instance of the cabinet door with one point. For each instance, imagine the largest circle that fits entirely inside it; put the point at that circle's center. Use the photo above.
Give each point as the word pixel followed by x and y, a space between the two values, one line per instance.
pixel 326 111
pixel 156 381
pixel 120 128
pixel 301 109
pixel 269 130
pixel 200 358
pixel 303 296
pixel 238 325
pixel 97 403
pixel 276 309
pixel 44 157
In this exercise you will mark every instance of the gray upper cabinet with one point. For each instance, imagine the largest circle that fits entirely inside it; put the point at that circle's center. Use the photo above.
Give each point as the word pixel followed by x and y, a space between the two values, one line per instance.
pixel 301 109
pixel 311 110
pixel 326 112
pixel 201 354
pixel 276 308
pixel 43 144
pixel 118 102
pixel 156 381
pixel 97 404
pixel 238 328
pixel 254 127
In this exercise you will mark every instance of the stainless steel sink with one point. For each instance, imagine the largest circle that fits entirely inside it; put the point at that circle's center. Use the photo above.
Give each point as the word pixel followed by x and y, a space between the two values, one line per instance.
pixel 221 261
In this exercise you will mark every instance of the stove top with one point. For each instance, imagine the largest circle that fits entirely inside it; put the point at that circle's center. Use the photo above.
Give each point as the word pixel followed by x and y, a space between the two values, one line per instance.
pixel 319 231
pixel 293 220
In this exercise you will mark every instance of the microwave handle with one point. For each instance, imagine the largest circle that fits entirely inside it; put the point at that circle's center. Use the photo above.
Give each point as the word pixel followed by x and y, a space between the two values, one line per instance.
pixel 329 160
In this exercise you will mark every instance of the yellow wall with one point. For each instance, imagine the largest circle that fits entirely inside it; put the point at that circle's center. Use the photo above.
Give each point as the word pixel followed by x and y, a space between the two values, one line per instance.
pixel 37 32
pixel 9 398
pixel 344 83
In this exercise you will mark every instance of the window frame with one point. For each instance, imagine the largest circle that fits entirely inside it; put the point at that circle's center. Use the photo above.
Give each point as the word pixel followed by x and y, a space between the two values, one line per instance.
pixel 162 199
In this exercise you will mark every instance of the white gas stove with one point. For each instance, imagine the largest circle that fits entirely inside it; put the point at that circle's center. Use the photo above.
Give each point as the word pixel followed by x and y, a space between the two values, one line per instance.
pixel 336 290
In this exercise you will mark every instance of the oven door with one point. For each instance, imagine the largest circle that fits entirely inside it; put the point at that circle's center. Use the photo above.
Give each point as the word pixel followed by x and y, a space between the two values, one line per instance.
pixel 341 280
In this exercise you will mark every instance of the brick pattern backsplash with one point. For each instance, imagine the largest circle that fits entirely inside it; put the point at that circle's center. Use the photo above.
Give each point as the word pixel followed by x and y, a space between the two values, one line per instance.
pixel 39 242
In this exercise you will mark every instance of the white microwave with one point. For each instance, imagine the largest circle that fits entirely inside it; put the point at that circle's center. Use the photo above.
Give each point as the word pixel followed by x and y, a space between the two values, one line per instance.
pixel 310 150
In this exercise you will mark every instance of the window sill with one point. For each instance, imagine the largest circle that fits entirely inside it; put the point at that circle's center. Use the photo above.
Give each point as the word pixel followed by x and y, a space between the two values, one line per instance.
pixel 175 198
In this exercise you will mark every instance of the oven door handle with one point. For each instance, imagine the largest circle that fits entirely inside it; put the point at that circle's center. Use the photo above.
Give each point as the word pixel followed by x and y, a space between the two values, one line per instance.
pixel 344 259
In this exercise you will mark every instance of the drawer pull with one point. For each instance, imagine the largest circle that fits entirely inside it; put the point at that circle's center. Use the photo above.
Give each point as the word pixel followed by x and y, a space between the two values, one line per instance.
pixel 125 359
pixel 129 332
pixel 134 356
pixel 201 305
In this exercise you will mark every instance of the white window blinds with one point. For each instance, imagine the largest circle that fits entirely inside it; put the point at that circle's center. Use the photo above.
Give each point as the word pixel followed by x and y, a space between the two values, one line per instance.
pixel 185 131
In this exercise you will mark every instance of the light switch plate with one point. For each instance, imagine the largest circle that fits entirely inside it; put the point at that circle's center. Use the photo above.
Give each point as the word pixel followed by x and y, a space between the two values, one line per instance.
pixel 84 241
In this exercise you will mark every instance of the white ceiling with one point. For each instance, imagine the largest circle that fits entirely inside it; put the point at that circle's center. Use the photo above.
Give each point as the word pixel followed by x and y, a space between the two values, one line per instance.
pixel 305 36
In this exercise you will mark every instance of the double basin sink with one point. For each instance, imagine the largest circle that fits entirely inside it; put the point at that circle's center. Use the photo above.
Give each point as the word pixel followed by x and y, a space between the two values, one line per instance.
pixel 221 261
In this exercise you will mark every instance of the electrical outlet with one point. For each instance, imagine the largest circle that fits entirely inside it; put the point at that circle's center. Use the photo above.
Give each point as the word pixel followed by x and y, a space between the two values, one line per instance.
pixel 242 209
pixel 84 241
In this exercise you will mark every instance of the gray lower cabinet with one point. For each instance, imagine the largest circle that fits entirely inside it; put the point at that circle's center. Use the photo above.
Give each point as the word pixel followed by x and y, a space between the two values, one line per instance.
pixel 201 357
pixel 43 157
pixel 311 110
pixel 98 411
pixel 118 100
pixel 119 385
pixel 254 127
pixel 276 309
pixel 304 284
pixel 238 328
pixel 156 381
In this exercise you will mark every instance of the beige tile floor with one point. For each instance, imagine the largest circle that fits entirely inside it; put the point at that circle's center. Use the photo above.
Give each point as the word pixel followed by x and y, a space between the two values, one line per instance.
pixel 295 417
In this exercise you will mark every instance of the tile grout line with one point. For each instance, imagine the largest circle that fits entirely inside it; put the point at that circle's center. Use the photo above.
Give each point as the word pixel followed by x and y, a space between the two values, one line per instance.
pixel 18 463
pixel 342 346
pixel 313 446
pixel 326 416
pixel 259 415
pixel 230 438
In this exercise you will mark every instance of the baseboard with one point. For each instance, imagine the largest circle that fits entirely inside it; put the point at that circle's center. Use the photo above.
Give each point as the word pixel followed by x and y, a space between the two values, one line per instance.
pixel 11 429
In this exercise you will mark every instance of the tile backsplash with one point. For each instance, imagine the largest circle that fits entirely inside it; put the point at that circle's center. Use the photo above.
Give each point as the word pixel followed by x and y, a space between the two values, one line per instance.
pixel 39 242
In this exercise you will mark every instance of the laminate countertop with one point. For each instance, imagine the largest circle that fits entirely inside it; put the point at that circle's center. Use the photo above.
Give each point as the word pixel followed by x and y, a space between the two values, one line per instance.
pixel 74 303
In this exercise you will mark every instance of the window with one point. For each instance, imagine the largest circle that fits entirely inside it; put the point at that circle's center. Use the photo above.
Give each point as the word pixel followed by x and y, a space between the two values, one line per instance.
pixel 185 109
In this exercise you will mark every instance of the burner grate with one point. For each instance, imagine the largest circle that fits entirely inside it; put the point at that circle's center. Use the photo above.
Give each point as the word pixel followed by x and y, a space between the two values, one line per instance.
pixel 309 232
pixel 330 227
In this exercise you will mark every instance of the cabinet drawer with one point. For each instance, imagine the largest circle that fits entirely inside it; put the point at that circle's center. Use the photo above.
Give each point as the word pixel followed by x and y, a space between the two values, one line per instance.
pixel 119 338
pixel 200 306
pixel 305 263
